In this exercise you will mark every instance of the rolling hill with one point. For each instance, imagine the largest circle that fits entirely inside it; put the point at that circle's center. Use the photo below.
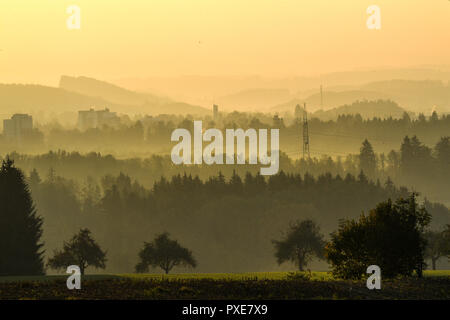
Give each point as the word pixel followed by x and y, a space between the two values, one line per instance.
pixel 146 103
pixel 254 99
pixel 418 96
pixel 74 94
pixel 367 110
pixel 17 98
pixel 331 99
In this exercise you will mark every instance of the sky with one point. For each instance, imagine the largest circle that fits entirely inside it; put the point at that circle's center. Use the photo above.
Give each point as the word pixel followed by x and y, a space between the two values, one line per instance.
pixel 144 38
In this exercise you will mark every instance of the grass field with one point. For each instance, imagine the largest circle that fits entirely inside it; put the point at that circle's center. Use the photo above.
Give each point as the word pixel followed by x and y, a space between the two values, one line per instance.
pixel 258 285
pixel 315 275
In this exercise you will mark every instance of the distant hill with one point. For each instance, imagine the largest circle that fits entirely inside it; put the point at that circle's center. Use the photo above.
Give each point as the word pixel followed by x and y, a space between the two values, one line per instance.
pixel 254 98
pixel 44 102
pixel 95 88
pixel 331 99
pixel 16 98
pixel 148 103
pixel 367 110
pixel 203 90
pixel 418 96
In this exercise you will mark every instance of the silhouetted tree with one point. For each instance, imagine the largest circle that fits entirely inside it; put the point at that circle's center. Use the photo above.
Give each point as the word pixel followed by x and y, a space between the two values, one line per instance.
pixel 447 240
pixel 390 236
pixel 164 253
pixel 442 151
pixel 82 250
pixel 367 159
pixel 34 179
pixel 302 242
pixel 20 227
pixel 437 246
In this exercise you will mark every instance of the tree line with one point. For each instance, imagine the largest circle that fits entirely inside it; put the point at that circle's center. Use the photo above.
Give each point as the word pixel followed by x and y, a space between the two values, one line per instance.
pixel 239 215
pixel 142 133
pixel 391 235
pixel 413 164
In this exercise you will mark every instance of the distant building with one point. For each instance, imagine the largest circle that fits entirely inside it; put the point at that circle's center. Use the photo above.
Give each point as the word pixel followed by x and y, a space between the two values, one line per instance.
pixel 277 122
pixel 90 119
pixel 16 128
pixel 215 112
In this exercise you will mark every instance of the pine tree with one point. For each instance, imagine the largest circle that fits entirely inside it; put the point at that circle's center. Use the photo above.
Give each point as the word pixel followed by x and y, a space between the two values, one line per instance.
pixel 20 227
pixel 368 162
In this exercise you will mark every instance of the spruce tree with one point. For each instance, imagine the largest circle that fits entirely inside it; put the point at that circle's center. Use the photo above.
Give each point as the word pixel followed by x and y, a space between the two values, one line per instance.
pixel 20 227
pixel 367 159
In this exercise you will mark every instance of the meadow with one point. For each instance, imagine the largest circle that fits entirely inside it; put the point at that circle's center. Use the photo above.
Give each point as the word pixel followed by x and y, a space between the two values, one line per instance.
pixel 258 285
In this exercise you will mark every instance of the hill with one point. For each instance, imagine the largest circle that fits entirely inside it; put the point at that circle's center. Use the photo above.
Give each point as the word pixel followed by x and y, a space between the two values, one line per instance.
pixel 418 96
pixel 44 102
pixel 95 88
pixel 331 99
pixel 147 103
pixel 254 99
pixel 367 109
pixel 203 90
pixel 36 98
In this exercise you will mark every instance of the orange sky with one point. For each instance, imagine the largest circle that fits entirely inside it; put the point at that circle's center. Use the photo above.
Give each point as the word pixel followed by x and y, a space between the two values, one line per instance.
pixel 139 38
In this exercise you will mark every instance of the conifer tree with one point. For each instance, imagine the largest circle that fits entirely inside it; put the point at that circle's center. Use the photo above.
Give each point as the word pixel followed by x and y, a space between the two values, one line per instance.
pixel 20 226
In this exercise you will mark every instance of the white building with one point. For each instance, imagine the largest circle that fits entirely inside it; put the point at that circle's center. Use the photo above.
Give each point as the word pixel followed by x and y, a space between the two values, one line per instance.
pixel 97 119
pixel 16 128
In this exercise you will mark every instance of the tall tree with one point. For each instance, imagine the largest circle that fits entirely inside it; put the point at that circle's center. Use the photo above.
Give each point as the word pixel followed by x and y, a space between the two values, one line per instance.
pixel 82 250
pixel 442 151
pixel 367 159
pixel 301 244
pixel 20 226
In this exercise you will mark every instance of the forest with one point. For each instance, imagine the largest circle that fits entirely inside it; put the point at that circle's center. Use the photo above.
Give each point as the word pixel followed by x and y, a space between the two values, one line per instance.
pixel 413 164
pixel 144 135
pixel 228 223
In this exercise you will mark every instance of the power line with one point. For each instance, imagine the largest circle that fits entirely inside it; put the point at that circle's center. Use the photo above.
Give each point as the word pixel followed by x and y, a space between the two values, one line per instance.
pixel 340 135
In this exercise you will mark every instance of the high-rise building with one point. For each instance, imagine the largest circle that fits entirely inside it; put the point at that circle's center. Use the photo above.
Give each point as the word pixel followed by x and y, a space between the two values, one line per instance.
pixel 16 128
pixel 89 119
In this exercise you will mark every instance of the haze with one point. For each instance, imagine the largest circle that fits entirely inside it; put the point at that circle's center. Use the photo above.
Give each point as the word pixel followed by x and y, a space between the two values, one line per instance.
pixel 173 38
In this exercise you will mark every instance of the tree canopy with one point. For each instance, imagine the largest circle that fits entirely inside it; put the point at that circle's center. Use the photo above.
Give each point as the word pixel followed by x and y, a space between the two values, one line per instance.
pixel 302 242
pixel 164 253
pixel 82 250
pixel 438 245
pixel 390 236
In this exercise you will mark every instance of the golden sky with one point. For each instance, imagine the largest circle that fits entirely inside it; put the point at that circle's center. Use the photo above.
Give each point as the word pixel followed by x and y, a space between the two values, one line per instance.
pixel 139 38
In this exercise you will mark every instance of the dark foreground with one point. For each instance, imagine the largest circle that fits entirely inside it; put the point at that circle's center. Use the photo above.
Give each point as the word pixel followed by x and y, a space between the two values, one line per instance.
pixel 205 289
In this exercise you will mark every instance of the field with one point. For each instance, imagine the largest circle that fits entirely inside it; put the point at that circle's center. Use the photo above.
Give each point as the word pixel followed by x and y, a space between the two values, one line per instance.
pixel 267 285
